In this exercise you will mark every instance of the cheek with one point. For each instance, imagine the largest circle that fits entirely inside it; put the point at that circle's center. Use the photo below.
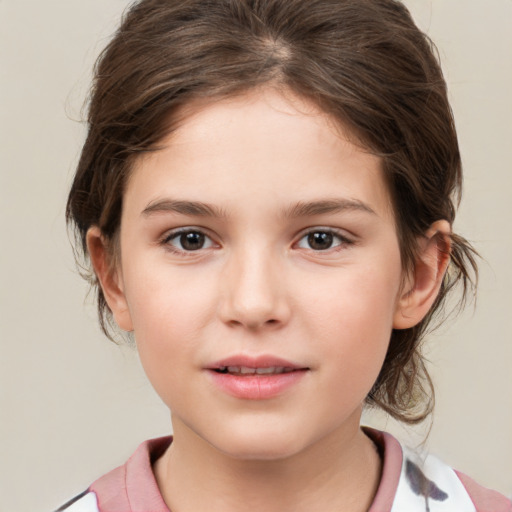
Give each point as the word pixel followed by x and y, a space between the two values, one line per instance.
pixel 169 310
pixel 165 300
pixel 352 320
pixel 359 299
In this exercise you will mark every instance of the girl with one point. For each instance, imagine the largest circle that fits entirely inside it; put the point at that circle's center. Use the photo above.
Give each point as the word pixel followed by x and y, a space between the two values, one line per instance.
pixel 266 199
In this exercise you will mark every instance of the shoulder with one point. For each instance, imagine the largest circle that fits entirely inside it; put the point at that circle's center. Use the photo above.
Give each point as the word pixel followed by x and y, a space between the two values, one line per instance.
pixel 414 482
pixel 130 487
pixel 84 502
pixel 486 500
pixel 430 480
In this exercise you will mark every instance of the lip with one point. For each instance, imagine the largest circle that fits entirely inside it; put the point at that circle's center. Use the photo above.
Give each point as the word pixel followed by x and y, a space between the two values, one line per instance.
pixel 256 386
pixel 262 361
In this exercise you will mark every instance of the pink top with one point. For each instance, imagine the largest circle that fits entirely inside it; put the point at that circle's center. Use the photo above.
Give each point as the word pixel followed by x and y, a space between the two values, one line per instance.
pixel 409 483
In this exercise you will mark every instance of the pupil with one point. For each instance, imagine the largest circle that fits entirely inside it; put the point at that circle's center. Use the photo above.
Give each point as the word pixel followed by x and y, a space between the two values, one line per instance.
pixel 192 241
pixel 320 240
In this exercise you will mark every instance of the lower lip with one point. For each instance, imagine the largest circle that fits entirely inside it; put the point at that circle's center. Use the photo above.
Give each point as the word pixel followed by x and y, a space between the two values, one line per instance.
pixel 256 387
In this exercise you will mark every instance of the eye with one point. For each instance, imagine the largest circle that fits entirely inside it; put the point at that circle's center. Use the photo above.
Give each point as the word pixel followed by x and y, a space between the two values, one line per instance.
pixel 322 240
pixel 187 240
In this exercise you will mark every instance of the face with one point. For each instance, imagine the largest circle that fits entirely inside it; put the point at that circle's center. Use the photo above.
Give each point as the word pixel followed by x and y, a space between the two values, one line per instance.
pixel 261 274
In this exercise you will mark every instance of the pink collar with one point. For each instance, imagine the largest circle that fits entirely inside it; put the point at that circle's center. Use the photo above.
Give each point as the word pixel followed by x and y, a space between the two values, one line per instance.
pixel 133 487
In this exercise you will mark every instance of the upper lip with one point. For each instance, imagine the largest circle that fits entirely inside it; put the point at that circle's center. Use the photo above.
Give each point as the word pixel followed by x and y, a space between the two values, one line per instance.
pixel 262 361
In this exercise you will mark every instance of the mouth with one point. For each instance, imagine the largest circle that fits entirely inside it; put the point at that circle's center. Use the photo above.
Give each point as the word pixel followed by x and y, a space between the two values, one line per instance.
pixel 244 365
pixel 247 370
pixel 256 378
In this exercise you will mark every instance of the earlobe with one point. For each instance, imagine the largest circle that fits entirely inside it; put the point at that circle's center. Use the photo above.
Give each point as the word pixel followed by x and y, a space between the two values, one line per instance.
pixel 109 278
pixel 422 288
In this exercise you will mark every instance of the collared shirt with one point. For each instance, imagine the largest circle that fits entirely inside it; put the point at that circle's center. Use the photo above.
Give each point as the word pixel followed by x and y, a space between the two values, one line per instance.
pixel 409 483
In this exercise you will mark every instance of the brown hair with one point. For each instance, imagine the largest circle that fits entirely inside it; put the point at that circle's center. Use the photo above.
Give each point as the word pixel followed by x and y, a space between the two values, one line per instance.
pixel 362 61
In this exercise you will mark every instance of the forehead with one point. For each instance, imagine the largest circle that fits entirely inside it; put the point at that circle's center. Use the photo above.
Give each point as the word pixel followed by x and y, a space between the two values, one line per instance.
pixel 255 146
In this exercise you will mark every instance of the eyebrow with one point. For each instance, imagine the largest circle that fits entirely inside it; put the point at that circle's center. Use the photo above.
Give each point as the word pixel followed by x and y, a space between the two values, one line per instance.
pixel 195 208
pixel 300 209
pixel 324 206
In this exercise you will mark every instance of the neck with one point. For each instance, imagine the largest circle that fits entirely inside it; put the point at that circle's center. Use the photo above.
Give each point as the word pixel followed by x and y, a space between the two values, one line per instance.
pixel 339 472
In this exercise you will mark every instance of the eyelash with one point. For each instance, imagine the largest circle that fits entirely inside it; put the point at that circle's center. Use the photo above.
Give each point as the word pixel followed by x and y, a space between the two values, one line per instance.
pixel 176 234
pixel 344 241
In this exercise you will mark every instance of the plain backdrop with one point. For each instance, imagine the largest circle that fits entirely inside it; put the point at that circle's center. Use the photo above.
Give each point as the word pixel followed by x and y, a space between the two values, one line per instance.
pixel 72 404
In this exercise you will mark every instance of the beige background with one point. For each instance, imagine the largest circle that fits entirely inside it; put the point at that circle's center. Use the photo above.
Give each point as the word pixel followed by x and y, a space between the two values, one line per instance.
pixel 73 405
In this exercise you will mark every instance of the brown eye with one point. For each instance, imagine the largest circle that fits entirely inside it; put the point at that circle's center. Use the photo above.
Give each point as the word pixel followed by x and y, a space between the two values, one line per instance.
pixel 189 240
pixel 322 240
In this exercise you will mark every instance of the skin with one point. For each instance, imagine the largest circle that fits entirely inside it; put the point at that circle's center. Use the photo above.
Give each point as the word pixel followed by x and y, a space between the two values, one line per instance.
pixel 258 287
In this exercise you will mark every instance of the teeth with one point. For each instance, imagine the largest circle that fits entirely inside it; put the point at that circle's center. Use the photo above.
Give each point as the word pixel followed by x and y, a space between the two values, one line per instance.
pixel 245 370
pixel 270 369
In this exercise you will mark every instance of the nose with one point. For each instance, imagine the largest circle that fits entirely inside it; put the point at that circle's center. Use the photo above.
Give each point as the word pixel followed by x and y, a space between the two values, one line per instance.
pixel 254 294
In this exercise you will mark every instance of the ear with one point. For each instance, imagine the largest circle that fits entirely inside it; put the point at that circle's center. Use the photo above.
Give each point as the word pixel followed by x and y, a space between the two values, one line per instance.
pixel 423 285
pixel 109 277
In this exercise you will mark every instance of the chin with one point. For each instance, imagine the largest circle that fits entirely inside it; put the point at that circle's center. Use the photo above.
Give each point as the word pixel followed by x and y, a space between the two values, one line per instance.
pixel 264 444
pixel 260 451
